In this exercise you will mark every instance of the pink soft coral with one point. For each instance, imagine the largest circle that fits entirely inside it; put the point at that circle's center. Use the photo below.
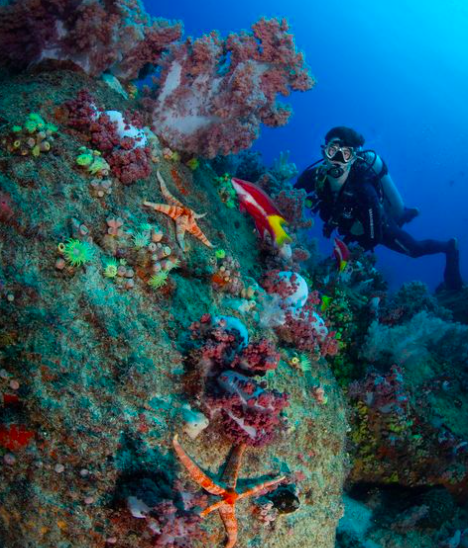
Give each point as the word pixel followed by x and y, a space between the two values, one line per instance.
pixel 214 93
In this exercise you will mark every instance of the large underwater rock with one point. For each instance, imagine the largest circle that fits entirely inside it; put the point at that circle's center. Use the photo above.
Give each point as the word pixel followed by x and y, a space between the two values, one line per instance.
pixel 92 356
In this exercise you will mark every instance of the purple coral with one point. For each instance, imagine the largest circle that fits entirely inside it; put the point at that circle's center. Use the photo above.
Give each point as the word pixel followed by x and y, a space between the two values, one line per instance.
pixel 170 526
pixel 257 358
pixel 307 331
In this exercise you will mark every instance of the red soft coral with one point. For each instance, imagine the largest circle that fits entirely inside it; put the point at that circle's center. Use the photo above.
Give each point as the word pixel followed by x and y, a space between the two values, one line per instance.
pixel 257 358
pixel 250 413
pixel 97 35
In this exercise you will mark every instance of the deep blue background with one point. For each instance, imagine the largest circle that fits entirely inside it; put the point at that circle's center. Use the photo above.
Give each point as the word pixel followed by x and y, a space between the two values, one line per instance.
pixel 396 71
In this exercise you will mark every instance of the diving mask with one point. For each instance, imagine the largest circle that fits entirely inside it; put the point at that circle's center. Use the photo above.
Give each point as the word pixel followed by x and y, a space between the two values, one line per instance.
pixel 340 154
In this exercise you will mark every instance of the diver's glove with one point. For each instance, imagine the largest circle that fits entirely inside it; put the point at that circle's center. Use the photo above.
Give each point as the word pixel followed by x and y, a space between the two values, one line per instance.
pixel 409 213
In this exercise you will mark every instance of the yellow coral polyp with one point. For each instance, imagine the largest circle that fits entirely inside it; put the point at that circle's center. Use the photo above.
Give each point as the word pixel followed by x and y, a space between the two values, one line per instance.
pixel 99 167
pixel 193 164
pixel 111 269
pixel 132 90
pixel 93 162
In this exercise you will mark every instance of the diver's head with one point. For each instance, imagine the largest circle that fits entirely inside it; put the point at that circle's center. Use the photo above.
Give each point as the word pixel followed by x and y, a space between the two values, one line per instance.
pixel 340 150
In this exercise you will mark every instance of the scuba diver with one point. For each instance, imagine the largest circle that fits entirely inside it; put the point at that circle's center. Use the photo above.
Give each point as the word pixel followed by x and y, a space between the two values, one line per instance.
pixel 353 192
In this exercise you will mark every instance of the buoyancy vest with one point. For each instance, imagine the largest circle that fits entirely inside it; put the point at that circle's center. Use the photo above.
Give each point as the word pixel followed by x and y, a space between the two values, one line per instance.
pixel 359 199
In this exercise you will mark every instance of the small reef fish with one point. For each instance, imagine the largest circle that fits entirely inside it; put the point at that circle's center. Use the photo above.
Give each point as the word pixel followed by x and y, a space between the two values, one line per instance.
pixel 341 254
pixel 260 206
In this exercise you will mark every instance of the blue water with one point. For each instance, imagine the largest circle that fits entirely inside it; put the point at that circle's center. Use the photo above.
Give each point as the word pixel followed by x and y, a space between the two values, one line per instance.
pixel 394 70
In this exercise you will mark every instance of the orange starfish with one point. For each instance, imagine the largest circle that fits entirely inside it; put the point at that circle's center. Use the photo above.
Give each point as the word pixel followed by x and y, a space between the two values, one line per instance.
pixel 184 217
pixel 226 506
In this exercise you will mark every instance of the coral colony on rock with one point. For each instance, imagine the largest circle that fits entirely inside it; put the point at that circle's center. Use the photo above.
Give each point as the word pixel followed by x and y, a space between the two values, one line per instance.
pixel 171 342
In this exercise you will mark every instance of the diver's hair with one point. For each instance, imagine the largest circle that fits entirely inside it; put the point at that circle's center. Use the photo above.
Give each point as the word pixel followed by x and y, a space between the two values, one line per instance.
pixel 346 135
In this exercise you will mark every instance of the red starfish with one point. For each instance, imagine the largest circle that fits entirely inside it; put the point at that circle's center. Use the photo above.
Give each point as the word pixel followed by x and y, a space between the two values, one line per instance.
pixel 184 217
pixel 226 506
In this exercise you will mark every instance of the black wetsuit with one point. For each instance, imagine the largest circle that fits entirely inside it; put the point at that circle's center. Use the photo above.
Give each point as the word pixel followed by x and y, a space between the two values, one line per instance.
pixel 360 203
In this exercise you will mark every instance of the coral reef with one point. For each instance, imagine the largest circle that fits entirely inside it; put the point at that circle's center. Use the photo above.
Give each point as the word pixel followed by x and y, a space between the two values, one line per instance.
pixel 98 367
pixel 124 322
pixel 34 137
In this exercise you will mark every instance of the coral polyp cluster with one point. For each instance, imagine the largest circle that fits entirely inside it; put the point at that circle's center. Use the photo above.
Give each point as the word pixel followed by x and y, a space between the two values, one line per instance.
pixel 93 162
pixel 34 137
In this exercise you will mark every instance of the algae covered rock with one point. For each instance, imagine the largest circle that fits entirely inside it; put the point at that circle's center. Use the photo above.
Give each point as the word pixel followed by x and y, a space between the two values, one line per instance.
pixel 93 355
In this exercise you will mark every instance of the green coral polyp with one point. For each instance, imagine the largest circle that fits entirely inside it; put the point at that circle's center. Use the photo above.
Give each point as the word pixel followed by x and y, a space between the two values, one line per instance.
pixel 220 254
pixel 78 253
pixel 193 164
pixel 99 166
pixel 84 160
pixel 158 280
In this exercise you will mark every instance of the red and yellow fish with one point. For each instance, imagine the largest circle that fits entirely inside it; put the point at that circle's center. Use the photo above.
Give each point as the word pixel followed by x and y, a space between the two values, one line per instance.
pixel 267 217
pixel 341 254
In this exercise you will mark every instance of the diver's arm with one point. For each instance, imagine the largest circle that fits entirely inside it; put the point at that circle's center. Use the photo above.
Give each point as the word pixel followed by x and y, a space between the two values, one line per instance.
pixel 394 202
pixel 393 197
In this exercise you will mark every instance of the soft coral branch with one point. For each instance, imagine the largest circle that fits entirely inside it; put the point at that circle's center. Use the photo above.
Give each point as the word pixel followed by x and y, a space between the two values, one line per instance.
pixel 214 93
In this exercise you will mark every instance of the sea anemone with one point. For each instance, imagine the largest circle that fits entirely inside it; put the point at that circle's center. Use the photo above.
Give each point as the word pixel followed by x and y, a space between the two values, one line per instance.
pixel 158 280
pixel 141 239
pixel 78 253
pixel 110 268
